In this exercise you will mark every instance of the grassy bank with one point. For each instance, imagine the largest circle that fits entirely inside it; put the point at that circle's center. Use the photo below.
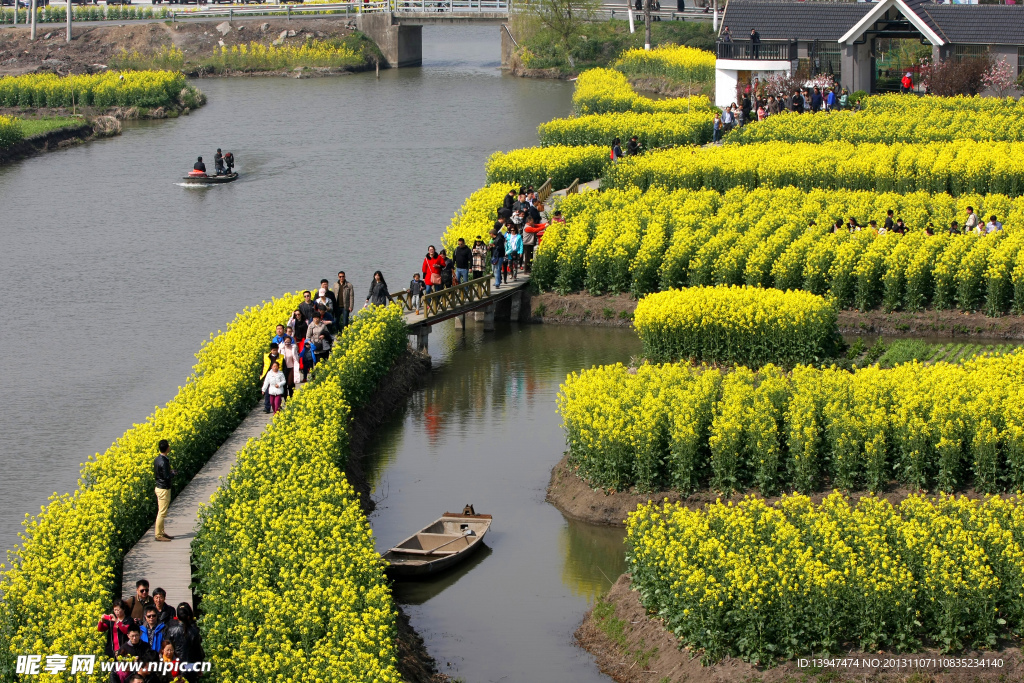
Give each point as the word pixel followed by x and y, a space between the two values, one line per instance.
pixel 14 129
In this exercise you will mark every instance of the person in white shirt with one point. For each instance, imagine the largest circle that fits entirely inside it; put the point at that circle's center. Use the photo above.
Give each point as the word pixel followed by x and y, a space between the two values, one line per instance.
pixel 274 385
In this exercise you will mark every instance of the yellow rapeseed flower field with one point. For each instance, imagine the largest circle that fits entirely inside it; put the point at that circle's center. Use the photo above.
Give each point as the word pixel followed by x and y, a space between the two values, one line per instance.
pixel 768 582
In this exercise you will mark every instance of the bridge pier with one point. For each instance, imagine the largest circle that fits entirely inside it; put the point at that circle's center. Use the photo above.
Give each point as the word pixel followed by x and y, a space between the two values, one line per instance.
pixel 489 318
pixel 460 322
pixel 479 316
pixel 422 338
pixel 402 44
pixel 517 304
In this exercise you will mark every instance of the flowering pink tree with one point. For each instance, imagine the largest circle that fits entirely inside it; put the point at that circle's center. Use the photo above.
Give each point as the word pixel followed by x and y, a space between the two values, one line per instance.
pixel 1000 78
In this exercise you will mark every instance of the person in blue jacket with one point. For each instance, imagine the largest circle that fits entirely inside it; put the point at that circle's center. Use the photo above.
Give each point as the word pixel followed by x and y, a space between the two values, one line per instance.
pixel 153 629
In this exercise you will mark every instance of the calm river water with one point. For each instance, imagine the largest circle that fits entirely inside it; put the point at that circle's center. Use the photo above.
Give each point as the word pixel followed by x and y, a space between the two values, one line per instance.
pixel 484 431
pixel 113 275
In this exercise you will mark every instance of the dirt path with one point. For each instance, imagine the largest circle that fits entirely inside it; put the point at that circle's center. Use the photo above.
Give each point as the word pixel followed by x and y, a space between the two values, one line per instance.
pixel 94 46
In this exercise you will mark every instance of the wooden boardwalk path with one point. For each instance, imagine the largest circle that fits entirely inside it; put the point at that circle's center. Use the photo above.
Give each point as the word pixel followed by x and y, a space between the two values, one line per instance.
pixel 169 565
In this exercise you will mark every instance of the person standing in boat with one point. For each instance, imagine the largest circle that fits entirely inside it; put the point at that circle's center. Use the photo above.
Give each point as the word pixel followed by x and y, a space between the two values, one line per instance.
pixel 199 165
pixel 218 162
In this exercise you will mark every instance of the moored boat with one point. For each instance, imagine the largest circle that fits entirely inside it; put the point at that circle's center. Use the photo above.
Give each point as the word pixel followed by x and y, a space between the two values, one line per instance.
pixel 440 545
pixel 203 179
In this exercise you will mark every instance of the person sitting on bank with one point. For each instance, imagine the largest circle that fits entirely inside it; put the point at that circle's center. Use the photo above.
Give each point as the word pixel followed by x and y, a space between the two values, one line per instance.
pixel 199 166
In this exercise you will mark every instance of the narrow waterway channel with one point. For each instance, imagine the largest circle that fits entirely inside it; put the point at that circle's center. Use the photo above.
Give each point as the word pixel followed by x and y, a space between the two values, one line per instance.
pixel 113 275
pixel 484 430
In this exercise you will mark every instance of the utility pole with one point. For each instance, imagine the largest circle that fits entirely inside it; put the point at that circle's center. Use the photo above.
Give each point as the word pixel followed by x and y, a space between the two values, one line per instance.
pixel 32 36
pixel 714 17
pixel 647 24
pixel 68 37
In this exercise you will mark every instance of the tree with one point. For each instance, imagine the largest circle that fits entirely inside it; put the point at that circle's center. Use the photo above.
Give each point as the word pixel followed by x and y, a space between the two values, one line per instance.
pixel 565 18
pixel 950 77
pixel 999 78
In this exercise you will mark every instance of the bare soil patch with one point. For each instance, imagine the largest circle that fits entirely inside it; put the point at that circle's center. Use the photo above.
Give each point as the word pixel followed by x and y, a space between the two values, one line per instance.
pixel 615 310
pixel 633 646
pixel 577 499
pixel 610 310
pixel 94 46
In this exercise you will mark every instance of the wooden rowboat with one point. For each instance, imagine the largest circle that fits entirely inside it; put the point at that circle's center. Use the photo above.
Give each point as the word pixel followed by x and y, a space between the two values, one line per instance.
pixel 210 179
pixel 446 542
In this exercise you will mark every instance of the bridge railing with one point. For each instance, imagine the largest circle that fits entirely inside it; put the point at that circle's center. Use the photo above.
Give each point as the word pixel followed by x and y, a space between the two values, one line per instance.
pixel 574 188
pixel 433 5
pixel 285 10
pixel 445 300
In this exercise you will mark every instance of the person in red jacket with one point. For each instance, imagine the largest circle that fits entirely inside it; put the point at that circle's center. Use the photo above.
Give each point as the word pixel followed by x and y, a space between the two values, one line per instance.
pixel 532 234
pixel 907 83
pixel 116 625
pixel 431 269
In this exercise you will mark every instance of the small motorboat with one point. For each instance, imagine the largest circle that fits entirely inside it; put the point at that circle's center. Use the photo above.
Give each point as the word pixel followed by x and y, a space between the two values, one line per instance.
pixel 445 543
pixel 200 178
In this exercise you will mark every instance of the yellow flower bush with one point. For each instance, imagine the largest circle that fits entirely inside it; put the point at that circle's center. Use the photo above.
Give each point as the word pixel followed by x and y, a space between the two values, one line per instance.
pixel 768 582
pixel 534 165
pixel 940 426
pixel 604 91
pixel 290 579
pixel 652 130
pixel 628 241
pixel 107 89
pixel 678 62
pixel 10 131
pixel 959 167
pixel 892 119
pixel 476 216
pixel 746 325
pixel 61 578
pixel 259 57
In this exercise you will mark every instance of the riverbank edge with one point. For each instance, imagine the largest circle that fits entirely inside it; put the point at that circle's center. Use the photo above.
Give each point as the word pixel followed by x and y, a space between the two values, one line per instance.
pixel 632 646
pixel 616 310
pixel 62 138
pixel 577 499
pixel 652 85
pixel 415 664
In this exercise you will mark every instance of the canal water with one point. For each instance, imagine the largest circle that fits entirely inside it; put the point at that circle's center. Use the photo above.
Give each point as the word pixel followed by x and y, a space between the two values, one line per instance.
pixel 484 430
pixel 113 275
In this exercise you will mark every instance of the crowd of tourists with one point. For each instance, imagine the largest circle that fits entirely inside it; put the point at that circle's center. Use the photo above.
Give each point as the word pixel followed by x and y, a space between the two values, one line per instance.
pixel 150 636
pixel 972 224
pixel 507 250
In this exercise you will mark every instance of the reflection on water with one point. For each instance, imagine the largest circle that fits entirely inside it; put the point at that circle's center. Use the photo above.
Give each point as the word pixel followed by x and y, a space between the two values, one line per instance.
pixel 594 557
pixel 418 591
pixel 484 430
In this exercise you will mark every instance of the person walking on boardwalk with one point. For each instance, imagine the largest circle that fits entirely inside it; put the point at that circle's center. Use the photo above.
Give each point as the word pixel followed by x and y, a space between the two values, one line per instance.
pixel 345 295
pixel 306 307
pixel 163 477
pixel 274 386
pixel 479 258
pixel 497 256
pixel 152 629
pixel 138 603
pixel 463 262
pixel 431 269
pixel 416 292
pixel 269 358
pixel 188 642
pixel 379 295
pixel 299 324
pixel 447 270
pixel 291 368
pixel 116 625
pixel 164 612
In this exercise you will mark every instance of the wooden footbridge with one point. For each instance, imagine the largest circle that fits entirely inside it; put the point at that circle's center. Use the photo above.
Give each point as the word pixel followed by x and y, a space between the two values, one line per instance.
pixel 479 297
